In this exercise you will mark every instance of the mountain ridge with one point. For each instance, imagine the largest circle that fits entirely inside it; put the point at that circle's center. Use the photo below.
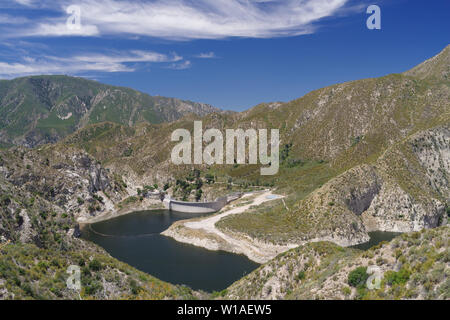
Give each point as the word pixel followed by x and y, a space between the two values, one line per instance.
pixel 356 157
pixel 41 109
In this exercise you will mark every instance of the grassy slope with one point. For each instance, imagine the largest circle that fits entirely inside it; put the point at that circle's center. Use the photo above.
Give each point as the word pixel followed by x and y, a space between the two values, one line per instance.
pixel 29 272
pixel 414 265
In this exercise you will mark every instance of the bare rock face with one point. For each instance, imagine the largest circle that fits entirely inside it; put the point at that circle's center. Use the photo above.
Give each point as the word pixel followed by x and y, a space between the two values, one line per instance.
pixel 26 232
pixel 412 196
pixel 360 199
pixel 395 210
pixel 433 152
pixel 405 190
pixel 98 177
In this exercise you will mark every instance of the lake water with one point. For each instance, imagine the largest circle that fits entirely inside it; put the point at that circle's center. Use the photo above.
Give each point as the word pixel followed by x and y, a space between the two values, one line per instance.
pixel 375 238
pixel 135 239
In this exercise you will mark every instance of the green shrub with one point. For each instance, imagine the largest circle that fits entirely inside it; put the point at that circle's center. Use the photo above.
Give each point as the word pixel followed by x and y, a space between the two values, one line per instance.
pixel 301 275
pixel 358 277
pixel 43 215
pixel 217 294
pixel 95 265
pixel 346 291
pixel 93 288
pixel 134 287
pixel 397 278
pixel 128 152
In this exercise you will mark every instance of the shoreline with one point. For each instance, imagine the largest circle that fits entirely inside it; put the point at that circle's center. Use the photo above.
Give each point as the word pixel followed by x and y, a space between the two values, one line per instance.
pixel 203 232
pixel 111 214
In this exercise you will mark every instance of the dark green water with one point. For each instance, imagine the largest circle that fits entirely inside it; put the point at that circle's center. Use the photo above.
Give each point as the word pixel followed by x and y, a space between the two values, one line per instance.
pixel 375 238
pixel 135 239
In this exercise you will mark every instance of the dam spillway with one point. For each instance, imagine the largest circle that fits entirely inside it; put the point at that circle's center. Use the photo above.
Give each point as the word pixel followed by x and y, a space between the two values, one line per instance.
pixel 200 207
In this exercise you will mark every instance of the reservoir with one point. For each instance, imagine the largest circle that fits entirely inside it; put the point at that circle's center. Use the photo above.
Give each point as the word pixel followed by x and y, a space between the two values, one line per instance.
pixel 135 239
pixel 375 238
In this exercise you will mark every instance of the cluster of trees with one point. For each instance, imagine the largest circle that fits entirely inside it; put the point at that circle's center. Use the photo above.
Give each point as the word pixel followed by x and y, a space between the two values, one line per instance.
pixel 192 182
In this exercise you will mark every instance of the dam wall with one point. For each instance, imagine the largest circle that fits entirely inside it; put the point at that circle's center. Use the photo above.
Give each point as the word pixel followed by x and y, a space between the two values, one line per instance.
pixel 198 207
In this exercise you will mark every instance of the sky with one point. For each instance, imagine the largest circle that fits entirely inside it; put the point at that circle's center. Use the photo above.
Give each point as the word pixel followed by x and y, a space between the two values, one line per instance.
pixel 232 54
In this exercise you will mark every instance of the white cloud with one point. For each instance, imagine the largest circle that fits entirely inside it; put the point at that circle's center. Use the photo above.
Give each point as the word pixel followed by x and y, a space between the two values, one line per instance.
pixel 187 19
pixel 181 66
pixel 113 62
pixel 206 55
pixel 9 19
pixel 25 2
pixel 61 29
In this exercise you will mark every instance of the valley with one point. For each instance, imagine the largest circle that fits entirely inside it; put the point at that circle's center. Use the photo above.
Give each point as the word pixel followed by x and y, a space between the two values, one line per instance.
pixel 365 156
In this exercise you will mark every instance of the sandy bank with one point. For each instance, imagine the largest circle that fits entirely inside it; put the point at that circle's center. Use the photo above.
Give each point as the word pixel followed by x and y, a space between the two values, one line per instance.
pixel 203 233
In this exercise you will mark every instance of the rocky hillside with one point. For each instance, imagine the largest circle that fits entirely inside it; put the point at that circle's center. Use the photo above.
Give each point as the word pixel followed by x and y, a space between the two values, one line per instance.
pixel 39 233
pixel 366 155
pixel 43 109
pixel 31 272
pixel 349 152
pixel 412 266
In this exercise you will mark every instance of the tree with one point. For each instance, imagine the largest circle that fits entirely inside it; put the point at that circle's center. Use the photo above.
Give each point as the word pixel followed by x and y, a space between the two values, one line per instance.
pixel 209 178
pixel 198 195
pixel 358 277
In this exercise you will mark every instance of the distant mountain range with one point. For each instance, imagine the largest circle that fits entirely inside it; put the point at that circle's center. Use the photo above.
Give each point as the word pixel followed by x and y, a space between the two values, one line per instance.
pixel 42 109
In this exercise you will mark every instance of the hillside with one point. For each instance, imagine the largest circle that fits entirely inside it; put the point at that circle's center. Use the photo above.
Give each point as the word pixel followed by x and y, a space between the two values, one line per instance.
pixel 42 109
pixel 356 157
pixel 413 266
pixel 39 241
pixel 349 153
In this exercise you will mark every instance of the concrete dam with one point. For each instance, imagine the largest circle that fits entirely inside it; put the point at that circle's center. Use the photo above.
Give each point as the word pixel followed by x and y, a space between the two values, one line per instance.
pixel 200 207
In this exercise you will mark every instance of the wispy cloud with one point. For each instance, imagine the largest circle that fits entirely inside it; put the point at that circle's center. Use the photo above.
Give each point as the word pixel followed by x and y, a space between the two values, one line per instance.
pixel 181 65
pixel 176 20
pixel 206 55
pixel 25 2
pixel 77 64
pixel 6 19
pixel 187 19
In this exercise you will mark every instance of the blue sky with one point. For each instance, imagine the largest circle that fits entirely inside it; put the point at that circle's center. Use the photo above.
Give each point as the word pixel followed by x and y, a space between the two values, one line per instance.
pixel 232 54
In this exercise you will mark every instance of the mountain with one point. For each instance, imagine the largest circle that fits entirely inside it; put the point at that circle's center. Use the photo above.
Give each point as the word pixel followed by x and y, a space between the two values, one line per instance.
pixel 437 67
pixel 39 239
pixel 356 157
pixel 412 266
pixel 42 109
pixel 360 156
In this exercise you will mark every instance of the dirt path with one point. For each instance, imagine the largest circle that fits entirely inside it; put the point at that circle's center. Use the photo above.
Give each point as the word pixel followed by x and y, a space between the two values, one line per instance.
pixel 204 233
